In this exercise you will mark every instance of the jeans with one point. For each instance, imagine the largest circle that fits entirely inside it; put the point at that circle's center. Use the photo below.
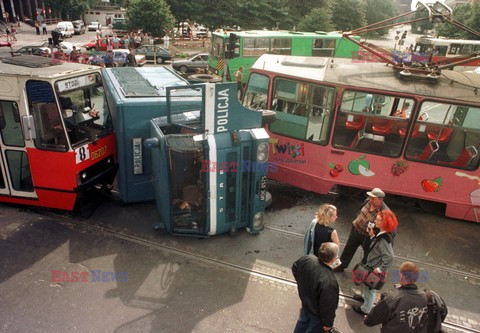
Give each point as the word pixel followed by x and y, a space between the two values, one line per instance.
pixel 369 298
pixel 355 239
pixel 308 323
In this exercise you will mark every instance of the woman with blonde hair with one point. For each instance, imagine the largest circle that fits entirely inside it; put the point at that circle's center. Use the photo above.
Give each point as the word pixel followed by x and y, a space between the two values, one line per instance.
pixel 320 231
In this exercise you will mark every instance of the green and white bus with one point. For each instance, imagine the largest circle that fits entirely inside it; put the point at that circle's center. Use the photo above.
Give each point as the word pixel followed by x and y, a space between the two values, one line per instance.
pixel 254 43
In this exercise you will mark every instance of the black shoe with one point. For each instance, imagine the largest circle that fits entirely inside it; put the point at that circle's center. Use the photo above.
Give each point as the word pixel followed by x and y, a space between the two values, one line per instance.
pixel 358 310
pixel 359 298
pixel 338 269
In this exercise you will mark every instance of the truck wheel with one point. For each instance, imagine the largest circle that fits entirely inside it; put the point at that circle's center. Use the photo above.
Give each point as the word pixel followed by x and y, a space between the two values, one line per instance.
pixel 183 69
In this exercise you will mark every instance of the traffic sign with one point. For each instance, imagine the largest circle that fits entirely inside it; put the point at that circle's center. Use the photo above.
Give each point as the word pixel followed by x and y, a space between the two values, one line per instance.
pixel 397 38
pixel 39 18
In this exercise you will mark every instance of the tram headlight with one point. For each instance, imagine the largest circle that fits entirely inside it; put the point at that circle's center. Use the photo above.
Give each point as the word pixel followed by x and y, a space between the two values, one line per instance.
pixel 262 152
pixel 258 221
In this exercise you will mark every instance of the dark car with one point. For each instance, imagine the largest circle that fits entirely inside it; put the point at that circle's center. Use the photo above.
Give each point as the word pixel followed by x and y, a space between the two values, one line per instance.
pixel 79 27
pixel 150 53
pixel 33 49
pixel 190 65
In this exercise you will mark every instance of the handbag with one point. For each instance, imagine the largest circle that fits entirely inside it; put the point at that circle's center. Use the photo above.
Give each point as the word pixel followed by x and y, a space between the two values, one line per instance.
pixel 363 274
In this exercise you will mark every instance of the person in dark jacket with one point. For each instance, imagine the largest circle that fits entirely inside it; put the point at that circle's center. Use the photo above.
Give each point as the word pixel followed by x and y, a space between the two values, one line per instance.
pixel 318 289
pixel 406 309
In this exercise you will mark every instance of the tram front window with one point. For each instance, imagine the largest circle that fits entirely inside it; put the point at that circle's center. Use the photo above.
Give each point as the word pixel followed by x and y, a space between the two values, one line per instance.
pixel 84 108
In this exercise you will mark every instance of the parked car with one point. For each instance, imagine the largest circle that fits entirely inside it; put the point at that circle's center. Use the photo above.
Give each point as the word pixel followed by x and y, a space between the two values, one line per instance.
pixel 153 51
pixel 79 27
pixel 201 32
pixel 66 29
pixel 190 65
pixel 94 26
pixel 32 49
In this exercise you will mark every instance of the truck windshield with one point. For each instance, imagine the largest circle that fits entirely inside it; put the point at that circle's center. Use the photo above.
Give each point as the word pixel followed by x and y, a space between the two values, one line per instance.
pixel 84 108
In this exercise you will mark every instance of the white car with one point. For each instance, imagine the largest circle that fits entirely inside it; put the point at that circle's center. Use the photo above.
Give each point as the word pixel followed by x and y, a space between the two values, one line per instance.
pixel 94 26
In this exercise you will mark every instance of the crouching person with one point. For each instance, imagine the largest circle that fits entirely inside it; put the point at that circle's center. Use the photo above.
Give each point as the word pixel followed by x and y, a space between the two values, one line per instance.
pixel 408 309
pixel 318 290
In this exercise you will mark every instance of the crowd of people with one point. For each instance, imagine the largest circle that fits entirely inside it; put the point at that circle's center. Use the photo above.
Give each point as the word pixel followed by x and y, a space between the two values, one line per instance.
pixel 406 309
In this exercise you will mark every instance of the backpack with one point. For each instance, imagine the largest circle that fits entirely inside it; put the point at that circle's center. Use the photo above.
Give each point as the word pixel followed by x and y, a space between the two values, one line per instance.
pixel 437 311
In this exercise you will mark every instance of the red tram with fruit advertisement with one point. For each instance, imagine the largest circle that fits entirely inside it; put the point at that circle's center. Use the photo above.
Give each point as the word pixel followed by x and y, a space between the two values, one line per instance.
pixel 364 125
pixel 57 140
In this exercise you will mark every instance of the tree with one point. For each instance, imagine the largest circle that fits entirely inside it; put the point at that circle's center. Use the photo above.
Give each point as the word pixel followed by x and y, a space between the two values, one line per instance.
pixel 70 9
pixel 317 20
pixel 152 16
pixel 348 14
pixel 379 10
pixel 421 26
pixel 467 14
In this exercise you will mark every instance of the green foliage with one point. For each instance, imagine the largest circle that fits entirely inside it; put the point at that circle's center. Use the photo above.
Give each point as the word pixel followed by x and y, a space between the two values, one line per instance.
pixel 152 16
pixel 348 14
pixel 70 9
pixel 379 10
pixel 317 20
pixel 421 26
pixel 466 14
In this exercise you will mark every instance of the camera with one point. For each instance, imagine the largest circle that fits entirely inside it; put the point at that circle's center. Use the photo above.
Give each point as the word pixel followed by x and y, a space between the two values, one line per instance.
pixel 371 225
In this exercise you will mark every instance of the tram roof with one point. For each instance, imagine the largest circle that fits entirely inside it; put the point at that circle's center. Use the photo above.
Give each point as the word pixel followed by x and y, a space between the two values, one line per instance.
pixel 40 67
pixel 279 33
pixel 452 84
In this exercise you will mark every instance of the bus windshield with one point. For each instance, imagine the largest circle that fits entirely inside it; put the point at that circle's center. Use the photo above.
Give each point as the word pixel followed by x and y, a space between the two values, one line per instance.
pixel 84 108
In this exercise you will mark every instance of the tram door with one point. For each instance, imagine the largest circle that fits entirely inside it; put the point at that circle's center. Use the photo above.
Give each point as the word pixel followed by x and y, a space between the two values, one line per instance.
pixel 15 175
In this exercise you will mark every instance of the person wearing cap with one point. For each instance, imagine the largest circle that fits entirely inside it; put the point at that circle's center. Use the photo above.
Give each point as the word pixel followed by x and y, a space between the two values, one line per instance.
pixel 358 234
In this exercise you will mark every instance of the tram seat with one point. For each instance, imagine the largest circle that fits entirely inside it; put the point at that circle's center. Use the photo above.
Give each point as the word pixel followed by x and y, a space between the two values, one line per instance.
pixel 441 134
pixel 464 158
pixel 402 131
pixel 430 149
pixel 383 128
pixel 357 123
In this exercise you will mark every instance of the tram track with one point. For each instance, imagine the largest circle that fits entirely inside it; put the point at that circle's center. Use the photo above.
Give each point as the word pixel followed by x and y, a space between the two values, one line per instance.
pixel 457 272
pixel 455 327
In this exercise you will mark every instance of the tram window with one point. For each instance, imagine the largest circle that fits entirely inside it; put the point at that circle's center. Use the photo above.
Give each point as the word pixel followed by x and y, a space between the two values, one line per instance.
pixel 303 110
pixel 19 170
pixel 84 108
pixel 372 123
pixel 447 135
pixel 10 126
pixel 257 92
pixel 323 47
pixel 48 123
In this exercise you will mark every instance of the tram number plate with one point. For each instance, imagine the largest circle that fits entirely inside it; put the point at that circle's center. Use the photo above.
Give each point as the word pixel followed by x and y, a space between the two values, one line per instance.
pixel 82 154
pixel 263 188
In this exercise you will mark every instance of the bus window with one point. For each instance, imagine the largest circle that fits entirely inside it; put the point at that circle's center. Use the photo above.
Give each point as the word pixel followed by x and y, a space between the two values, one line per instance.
pixel 323 47
pixel 255 47
pixel 257 92
pixel 372 123
pixel 446 134
pixel 217 48
pixel 48 124
pixel 303 110
pixel 281 46
pixel 19 169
